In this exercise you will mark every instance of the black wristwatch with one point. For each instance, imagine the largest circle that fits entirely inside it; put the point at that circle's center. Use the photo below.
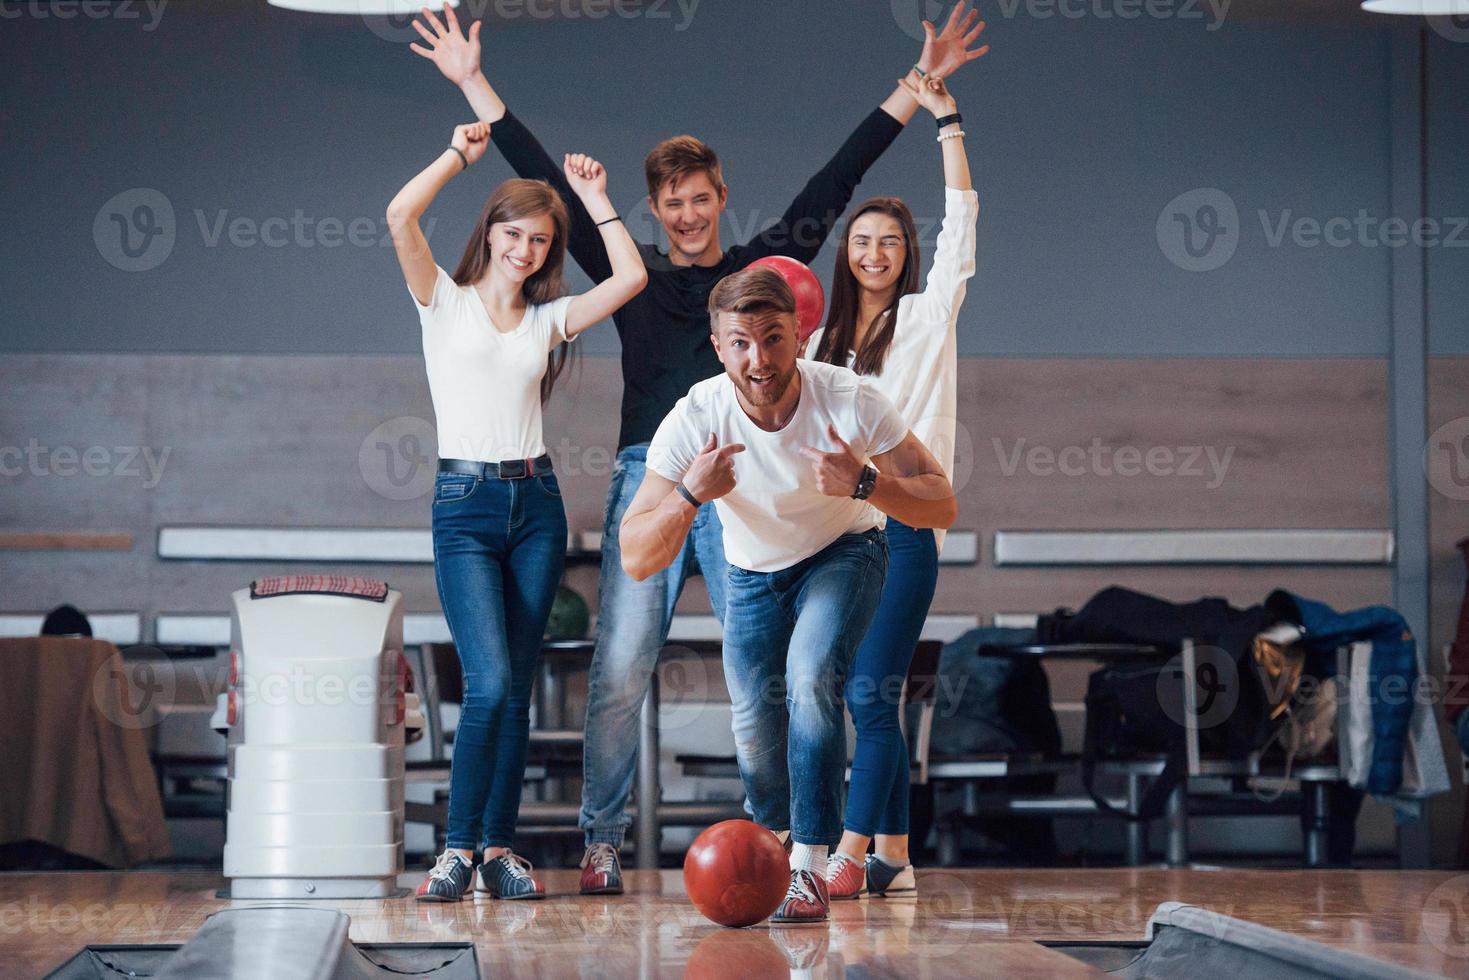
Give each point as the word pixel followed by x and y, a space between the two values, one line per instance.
pixel 866 483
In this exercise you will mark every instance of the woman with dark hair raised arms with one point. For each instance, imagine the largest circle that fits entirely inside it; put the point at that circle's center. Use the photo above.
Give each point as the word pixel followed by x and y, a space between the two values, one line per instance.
pixel 494 339
pixel 881 326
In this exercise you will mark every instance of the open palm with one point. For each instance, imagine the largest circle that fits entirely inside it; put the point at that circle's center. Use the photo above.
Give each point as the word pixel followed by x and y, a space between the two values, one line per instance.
pixel 947 51
pixel 454 52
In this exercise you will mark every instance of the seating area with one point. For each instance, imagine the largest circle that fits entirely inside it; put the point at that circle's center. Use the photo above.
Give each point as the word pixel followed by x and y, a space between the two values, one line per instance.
pixel 979 789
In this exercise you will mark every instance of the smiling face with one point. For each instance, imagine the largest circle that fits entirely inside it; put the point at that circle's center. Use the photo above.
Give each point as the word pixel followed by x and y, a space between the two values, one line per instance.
pixel 689 206
pixel 758 350
pixel 518 248
pixel 876 251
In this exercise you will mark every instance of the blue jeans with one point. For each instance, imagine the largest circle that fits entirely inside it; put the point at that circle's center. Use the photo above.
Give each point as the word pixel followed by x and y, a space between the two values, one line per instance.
pixel 633 619
pixel 877 800
pixel 789 638
pixel 499 550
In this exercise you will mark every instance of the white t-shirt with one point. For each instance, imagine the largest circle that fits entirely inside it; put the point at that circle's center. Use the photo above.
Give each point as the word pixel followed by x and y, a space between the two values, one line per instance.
pixel 921 370
pixel 486 385
pixel 775 516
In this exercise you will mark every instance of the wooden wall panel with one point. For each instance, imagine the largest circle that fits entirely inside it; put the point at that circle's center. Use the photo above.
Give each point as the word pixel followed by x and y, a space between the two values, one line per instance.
pixel 279 440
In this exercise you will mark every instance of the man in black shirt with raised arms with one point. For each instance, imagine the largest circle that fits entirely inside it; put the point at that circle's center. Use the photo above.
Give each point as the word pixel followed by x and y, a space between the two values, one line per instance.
pixel 666 349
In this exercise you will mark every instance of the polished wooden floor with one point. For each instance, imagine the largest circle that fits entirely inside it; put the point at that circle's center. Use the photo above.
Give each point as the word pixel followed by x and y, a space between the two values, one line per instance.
pixel 968 923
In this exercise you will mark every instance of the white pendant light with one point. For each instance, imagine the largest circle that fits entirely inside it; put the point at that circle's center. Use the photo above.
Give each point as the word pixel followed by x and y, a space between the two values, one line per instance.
pixel 362 8
pixel 1419 8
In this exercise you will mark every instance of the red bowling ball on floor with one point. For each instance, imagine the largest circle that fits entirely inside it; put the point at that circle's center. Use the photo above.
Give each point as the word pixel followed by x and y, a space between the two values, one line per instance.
pixel 736 873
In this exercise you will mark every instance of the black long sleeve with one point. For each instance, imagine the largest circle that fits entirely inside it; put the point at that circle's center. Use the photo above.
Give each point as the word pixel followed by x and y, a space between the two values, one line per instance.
pixel 664 330
pixel 528 158
pixel 804 227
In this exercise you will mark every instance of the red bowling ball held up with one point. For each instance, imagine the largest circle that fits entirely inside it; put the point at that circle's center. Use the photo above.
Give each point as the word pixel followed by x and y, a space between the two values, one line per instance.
pixel 736 873
pixel 810 297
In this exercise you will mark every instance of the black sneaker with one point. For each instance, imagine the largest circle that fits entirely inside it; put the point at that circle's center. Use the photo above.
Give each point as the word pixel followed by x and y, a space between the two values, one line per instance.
pixel 449 881
pixel 601 873
pixel 883 879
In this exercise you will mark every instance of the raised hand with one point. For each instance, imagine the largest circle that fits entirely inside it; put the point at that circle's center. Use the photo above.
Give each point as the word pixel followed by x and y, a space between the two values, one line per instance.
pixel 947 51
pixel 585 175
pixel 931 93
pixel 712 475
pixel 471 140
pixel 837 473
pixel 455 53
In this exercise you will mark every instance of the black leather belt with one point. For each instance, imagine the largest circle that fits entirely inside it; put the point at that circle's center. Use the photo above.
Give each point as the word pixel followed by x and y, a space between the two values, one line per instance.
pixel 509 469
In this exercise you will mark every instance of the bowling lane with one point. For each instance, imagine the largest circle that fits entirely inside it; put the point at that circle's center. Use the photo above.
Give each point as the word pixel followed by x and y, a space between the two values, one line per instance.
pixel 968 922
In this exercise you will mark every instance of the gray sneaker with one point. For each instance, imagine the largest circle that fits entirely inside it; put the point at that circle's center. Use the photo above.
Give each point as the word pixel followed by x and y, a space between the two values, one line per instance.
pixel 508 877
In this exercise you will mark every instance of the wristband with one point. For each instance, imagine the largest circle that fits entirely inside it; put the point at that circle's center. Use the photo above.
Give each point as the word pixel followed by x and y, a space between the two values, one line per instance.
pixel 684 492
pixel 951 118
pixel 609 220
pixel 921 72
pixel 464 159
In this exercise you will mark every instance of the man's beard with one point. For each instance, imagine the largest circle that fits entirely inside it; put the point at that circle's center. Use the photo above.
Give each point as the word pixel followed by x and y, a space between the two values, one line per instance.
pixel 767 394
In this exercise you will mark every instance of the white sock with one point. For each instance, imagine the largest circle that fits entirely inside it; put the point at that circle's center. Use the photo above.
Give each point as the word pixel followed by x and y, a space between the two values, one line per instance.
pixel 809 857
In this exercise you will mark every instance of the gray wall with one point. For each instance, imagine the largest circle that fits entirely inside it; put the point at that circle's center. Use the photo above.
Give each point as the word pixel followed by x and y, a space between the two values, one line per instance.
pixel 1082 130
pixel 1447 161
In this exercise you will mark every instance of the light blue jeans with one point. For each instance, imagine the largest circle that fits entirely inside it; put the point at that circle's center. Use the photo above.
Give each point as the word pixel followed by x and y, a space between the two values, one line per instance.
pixel 789 640
pixel 632 626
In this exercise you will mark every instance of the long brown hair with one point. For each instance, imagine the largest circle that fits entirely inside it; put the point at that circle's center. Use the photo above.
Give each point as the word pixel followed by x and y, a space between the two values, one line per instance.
pixel 515 199
pixel 841 319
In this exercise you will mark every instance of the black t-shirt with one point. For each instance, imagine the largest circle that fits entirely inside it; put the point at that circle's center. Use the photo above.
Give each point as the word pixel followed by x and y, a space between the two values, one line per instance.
pixel 665 328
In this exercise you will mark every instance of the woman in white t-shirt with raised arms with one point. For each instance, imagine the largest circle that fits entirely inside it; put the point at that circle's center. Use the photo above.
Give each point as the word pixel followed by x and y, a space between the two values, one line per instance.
pixel 494 339
pixel 883 327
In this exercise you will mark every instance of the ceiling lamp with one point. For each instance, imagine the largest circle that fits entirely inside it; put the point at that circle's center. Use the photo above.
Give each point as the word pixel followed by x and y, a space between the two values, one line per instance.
pixel 1419 8
pixel 361 8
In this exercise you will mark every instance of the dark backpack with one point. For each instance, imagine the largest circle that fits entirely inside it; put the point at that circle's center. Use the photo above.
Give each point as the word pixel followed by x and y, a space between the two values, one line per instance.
pixel 1137 707
pixel 1130 711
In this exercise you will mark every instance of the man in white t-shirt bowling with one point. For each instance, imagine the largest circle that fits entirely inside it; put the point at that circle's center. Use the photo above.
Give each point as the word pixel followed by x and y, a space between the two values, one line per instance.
pixel 802 459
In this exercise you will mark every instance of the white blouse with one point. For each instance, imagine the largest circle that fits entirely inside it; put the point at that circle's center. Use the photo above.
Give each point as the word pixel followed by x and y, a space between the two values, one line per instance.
pixel 920 374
